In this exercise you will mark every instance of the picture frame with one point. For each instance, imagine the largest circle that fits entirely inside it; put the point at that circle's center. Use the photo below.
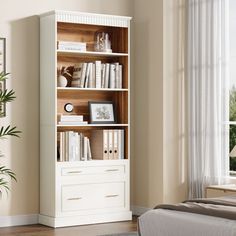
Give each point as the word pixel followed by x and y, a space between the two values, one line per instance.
pixel 2 69
pixel 102 112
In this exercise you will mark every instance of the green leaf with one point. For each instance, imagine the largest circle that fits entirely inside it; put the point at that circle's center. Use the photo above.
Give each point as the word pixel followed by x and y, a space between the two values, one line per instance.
pixel 7 96
pixel 9 131
pixel 6 173
pixel 3 76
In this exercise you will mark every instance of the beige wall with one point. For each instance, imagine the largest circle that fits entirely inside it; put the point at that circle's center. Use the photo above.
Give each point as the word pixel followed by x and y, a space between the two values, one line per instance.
pixel 175 163
pixel 19 23
pixel 158 139
pixel 147 163
pixel 159 163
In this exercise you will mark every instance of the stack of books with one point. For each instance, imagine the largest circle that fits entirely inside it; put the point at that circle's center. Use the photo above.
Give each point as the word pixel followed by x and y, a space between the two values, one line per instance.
pixel 107 144
pixel 75 46
pixel 97 75
pixel 74 147
pixel 71 120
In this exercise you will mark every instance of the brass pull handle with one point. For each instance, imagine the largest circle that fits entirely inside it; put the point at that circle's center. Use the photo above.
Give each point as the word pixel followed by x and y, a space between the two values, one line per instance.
pixel 112 195
pixel 112 170
pixel 74 198
pixel 74 172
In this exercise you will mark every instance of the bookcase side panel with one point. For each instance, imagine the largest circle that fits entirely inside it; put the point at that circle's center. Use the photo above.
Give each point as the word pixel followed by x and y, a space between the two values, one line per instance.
pixel 47 115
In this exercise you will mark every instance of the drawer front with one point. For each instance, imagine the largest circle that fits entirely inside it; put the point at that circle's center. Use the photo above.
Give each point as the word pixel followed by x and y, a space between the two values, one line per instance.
pixel 93 196
pixel 93 170
pixel 210 193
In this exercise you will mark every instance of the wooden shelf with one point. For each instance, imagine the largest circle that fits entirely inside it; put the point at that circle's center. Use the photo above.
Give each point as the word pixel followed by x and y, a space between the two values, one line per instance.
pixel 90 89
pixel 95 125
pixel 75 53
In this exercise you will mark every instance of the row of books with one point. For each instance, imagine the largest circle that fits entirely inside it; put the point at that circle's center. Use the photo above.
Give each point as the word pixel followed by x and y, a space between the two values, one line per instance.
pixel 97 75
pixel 72 120
pixel 74 147
pixel 75 46
pixel 102 145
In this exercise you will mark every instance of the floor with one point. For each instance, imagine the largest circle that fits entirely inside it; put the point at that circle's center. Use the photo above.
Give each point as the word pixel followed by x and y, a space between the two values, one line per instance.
pixel 87 230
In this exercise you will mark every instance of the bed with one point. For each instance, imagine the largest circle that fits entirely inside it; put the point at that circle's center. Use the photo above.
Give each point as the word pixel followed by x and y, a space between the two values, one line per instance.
pixel 217 218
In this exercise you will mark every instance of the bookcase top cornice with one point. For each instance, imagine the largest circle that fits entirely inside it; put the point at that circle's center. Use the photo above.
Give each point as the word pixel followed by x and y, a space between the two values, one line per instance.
pixel 89 18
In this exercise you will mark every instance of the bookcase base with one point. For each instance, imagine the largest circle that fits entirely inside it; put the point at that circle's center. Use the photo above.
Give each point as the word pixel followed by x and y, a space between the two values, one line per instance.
pixel 56 222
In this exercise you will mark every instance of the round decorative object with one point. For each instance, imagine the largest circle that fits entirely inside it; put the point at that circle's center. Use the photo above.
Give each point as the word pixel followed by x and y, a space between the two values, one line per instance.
pixel 68 107
pixel 61 81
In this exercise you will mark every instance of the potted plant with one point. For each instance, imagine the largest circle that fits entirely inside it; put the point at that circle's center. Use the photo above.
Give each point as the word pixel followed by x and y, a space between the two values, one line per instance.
pixel 5 173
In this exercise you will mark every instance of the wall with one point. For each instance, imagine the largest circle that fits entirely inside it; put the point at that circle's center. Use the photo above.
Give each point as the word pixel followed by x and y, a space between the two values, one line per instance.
pixel 158 129
pixel 175 158
pixel 159 161
pixel 148 99
pixel 19 23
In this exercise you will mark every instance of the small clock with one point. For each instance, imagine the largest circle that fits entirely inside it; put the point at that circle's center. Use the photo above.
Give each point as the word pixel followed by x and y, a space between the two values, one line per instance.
pixel 68 107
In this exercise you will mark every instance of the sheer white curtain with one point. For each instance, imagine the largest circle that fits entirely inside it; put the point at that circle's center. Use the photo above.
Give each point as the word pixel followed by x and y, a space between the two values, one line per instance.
pixel 207 80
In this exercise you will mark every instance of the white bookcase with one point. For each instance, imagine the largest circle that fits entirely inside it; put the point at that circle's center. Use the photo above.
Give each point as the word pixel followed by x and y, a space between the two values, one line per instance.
pixel 82 192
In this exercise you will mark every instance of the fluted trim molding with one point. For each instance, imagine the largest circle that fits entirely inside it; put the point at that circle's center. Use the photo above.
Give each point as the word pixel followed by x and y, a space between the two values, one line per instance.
pixel 90 18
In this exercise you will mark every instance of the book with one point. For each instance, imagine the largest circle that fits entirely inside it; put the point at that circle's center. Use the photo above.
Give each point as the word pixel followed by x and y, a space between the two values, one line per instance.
pixel 99 144
pixel 87 75
pixel 110 145
pixel 112 76
pixel 115 144
pixel 98 74
pixel 78 118
pixel 116 82
pixel 103 75
pixel 83 74
pixel 120 82
pixel 89 150
pixel 73 123
pixel 76 76
pixel 67 45
pixel 107 71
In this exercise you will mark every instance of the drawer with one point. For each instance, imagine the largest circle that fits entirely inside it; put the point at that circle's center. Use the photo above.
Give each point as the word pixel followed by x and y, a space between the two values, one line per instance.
pixel 93 196
pixel 92 170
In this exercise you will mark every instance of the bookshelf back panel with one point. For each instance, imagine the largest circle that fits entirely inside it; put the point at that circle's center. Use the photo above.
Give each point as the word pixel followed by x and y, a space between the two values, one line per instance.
pixel 80 100
pixel 87 33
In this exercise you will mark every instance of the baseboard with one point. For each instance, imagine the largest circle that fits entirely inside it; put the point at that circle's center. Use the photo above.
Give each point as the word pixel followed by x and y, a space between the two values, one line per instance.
pixel 84 219
pixel 6 221
pixel 138 210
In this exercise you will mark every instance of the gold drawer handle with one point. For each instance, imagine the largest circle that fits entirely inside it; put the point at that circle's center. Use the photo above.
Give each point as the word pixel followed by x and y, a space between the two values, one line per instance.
pixel 112 170
pixel 74 172
pixel 113 195
pixel 74 199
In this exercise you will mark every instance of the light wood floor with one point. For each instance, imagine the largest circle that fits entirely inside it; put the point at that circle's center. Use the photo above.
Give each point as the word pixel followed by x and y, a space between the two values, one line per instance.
pixel 87 230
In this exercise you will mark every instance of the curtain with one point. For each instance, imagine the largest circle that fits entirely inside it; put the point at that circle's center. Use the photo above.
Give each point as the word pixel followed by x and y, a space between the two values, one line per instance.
pixel 208 104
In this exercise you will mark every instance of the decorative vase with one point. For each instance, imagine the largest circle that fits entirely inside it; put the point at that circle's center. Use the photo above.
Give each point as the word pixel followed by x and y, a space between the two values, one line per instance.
pixel 61 81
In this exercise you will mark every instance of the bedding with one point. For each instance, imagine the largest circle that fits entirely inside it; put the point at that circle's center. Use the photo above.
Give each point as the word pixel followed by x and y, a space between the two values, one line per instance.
pixel 198 217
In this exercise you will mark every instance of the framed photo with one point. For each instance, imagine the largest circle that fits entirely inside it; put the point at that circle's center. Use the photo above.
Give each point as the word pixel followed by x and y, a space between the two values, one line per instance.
pixel 102 113
pixel 2 69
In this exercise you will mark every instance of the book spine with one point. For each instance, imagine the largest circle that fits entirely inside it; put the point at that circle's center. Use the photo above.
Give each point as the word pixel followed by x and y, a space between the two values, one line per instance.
pixel 105 145
pixel 111 147
pixel 115 144
pixel 98 73
pixel 83 75
pixel 112 76
pixel 107 71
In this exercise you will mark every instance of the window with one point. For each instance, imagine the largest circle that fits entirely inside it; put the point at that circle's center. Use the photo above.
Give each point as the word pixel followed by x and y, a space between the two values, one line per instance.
pixel 232 85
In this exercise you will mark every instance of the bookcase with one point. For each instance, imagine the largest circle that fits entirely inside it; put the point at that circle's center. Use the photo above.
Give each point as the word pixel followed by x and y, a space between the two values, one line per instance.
pixel 92 191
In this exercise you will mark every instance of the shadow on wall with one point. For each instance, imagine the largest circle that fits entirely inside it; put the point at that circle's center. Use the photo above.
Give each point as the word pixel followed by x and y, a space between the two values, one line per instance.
pixel 25 113
pixel 141 161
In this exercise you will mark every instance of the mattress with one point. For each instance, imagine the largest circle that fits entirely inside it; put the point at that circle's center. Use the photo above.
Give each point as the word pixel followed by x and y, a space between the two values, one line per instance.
pixel 162 222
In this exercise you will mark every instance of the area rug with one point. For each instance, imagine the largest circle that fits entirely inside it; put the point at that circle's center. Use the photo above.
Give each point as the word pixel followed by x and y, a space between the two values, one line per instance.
pixel 123 234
